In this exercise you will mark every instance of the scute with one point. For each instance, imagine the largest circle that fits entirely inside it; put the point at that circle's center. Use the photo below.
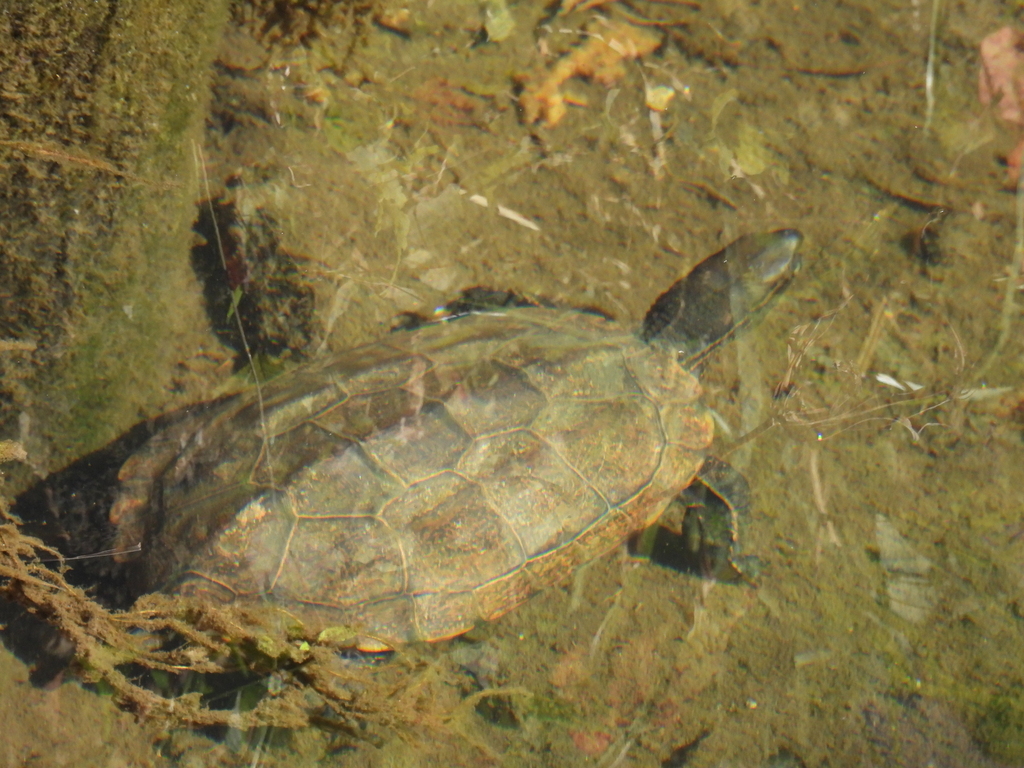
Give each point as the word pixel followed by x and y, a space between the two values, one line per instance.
pixel 438 478
pixel 349 481
pixel 453 538
pixel 492 397
pixel 332 562
pixel 533 486
pixel 420 445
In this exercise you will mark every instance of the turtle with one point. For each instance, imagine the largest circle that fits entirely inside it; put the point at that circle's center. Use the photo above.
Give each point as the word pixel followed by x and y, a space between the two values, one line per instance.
pixel 416 486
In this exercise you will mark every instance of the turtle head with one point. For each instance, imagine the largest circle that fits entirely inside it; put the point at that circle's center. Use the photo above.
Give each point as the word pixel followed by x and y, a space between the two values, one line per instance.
pixel 723 293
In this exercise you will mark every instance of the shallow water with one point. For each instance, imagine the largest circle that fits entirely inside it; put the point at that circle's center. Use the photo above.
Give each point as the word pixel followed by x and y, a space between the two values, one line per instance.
pixel 886 626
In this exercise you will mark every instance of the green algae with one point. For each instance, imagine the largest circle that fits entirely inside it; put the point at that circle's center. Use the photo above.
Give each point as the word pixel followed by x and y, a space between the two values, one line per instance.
pixel 100 174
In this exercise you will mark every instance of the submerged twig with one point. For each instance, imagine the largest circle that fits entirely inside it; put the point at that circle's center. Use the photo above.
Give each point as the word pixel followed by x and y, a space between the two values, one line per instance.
pixel 62 156
pixel 200 161
pixel 929 70
pixel 1012 278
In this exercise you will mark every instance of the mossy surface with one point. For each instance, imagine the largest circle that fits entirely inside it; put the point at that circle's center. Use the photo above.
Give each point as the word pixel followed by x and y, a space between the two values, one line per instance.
pixel 97 185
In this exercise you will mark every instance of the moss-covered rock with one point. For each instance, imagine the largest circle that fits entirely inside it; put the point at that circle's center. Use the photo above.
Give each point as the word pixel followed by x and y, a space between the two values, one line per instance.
pixel 100 106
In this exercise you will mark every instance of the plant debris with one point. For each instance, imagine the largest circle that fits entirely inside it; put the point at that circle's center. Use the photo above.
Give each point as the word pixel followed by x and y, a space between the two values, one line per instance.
pixel 306 682
pixel 600 57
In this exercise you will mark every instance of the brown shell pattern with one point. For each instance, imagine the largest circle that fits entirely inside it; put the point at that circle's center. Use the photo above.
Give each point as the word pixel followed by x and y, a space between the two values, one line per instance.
pixel 413 487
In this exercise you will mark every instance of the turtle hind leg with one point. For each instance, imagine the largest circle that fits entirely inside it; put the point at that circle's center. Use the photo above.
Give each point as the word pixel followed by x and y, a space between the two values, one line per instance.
pixel 470 301
pixel 481 299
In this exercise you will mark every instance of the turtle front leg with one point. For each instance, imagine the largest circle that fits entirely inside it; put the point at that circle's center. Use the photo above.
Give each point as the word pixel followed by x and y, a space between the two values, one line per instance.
pixel 715 508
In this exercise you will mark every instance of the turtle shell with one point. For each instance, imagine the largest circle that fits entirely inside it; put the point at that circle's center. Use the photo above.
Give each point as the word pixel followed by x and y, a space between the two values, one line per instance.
pixel 413 487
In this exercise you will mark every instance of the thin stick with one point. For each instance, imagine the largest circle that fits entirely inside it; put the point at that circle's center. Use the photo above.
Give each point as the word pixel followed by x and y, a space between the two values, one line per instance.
pixel 201 162
pixel 929 70
pixel 870 345
pixel 58 154
pixel 1012 279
